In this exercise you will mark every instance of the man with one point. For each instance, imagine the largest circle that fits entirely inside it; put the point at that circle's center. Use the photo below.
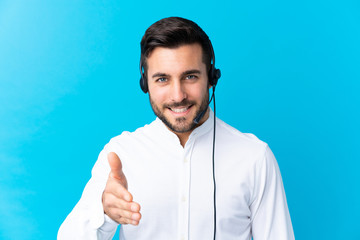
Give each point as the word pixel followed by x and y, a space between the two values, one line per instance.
pixel 159 182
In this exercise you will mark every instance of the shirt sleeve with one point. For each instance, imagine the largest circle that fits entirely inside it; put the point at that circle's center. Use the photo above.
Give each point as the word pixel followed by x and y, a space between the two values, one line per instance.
pixel 269 211
pixel 87 220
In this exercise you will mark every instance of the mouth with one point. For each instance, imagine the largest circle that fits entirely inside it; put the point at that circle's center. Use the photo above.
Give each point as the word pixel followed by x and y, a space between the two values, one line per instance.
pixel 181 110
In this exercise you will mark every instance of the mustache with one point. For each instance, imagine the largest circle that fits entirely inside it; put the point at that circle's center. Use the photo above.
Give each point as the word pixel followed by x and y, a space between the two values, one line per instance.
pixel 183 103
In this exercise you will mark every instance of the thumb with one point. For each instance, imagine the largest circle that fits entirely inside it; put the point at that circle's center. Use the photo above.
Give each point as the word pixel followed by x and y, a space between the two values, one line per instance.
pixel 116 168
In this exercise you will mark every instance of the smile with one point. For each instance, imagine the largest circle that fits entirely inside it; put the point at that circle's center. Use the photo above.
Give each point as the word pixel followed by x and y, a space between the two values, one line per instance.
pixel 180 110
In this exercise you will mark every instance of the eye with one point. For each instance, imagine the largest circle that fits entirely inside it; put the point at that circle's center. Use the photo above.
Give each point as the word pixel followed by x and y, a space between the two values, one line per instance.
pixel 191 77
pixel 162 79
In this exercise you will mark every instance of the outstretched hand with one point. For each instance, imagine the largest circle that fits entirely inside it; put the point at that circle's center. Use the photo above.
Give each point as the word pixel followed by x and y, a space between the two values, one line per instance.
pixel 117 200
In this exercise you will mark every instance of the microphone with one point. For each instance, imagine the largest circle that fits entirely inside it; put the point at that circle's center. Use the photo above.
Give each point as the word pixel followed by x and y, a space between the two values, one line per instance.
pixel 201 114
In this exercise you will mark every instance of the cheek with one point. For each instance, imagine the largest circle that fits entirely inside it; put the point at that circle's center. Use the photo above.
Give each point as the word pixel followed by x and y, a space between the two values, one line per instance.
pixel 158 95
pixel 199 92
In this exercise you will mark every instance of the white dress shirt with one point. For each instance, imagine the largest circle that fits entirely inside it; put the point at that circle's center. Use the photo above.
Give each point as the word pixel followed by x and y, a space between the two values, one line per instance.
pixel 174 187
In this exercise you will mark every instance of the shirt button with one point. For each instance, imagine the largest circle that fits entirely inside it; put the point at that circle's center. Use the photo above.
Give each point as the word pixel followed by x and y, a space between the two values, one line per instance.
pixel 183 199
pixel 186 160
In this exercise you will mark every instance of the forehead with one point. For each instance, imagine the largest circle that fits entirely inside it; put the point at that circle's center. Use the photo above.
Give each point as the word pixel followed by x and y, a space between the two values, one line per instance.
pixel 172 59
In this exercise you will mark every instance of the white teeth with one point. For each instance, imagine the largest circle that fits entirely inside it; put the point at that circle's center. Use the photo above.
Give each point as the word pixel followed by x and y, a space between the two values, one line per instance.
pixel 179 110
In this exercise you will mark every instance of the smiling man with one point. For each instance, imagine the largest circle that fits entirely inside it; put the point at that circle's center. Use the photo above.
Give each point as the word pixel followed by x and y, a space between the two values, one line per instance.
pixel 187 175
pixel 178 87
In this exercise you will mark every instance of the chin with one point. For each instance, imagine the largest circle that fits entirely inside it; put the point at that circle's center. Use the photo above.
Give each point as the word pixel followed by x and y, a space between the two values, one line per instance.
pixel 180 125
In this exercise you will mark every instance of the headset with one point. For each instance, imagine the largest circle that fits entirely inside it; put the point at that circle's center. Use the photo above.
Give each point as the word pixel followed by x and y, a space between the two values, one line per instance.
pixel 214 75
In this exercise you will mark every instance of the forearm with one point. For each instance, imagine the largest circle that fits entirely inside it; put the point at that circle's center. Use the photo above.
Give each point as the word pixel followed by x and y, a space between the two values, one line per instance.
pixel 79 225
pixel 87 220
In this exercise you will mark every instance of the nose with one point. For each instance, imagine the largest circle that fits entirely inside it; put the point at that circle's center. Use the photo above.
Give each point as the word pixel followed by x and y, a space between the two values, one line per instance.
pixel 178 92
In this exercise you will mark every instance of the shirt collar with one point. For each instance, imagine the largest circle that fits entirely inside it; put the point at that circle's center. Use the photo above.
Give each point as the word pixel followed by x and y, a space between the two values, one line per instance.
pixel 198 131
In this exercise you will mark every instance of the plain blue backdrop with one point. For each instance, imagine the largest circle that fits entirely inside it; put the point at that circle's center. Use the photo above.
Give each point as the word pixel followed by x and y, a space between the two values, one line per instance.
pixel 69 82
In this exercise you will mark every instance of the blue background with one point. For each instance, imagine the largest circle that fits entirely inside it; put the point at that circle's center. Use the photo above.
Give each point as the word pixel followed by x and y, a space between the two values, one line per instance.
pixel 69 82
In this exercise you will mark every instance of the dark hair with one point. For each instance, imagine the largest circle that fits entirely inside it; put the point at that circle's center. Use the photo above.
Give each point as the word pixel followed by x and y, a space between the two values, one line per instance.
pixel 174 32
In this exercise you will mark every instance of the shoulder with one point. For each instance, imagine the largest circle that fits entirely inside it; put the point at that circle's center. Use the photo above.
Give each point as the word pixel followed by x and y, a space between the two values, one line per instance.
pixel 140 133
pixel 230 135
pixel 128 141
pixel 245 150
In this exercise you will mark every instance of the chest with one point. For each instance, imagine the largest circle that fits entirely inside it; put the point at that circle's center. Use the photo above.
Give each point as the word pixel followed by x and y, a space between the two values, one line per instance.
pixel 179 184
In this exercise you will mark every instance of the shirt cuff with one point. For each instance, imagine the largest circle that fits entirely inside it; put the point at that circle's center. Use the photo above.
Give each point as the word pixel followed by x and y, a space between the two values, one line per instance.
pixel 109 224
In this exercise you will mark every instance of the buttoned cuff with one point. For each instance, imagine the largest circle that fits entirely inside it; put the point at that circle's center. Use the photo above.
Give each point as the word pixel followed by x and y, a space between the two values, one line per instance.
pixel 97 210
pixel 109 224
pixel 101 221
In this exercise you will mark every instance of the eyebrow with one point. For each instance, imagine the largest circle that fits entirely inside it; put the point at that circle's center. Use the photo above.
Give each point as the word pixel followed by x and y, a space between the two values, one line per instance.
pixel 159 74
pixel 192 71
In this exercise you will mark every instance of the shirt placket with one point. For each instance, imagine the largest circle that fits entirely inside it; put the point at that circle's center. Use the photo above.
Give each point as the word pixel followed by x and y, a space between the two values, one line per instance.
pixel 184 195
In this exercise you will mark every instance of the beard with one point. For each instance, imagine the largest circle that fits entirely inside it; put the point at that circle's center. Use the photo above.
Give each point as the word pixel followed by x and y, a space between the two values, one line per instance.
pixel 182 124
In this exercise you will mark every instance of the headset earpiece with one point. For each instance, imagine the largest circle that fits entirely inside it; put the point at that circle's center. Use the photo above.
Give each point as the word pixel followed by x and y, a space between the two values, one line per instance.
pixel 214 75
pixel 143 80
pixel 143 84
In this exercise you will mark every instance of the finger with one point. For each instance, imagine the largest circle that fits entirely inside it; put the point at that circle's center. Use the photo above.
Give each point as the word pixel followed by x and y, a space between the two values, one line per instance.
pixel 125 221
pixel 126 217
pixel 127 206
pixel 112 201
pixel 121 211
pixel 115 165
pixel 116 168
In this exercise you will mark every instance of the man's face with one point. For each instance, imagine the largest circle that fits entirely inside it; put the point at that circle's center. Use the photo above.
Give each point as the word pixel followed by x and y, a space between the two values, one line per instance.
pixel 178 86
